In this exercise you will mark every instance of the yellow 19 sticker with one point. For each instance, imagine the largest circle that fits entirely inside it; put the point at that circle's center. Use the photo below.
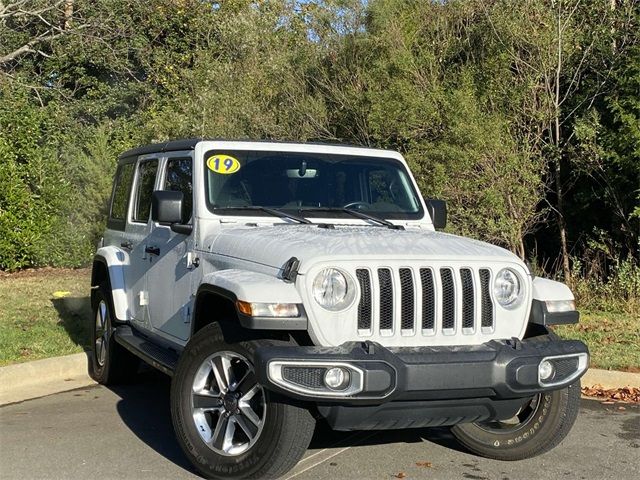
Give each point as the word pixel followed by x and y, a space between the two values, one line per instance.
pixel 224 164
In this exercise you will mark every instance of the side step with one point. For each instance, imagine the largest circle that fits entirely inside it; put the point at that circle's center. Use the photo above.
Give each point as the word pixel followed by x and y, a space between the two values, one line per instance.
pixel 160 358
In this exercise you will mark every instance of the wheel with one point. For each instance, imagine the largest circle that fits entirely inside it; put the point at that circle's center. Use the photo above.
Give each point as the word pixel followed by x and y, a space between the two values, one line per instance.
pixel 227 424
pixel 541 424
pixel 110 362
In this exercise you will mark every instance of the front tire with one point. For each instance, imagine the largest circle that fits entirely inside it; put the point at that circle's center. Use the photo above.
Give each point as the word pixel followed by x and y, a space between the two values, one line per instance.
pixel 227 424
pixel 540 425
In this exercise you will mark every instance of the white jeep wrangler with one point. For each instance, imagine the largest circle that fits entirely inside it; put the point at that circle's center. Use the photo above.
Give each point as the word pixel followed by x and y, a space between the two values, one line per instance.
pixel 280 284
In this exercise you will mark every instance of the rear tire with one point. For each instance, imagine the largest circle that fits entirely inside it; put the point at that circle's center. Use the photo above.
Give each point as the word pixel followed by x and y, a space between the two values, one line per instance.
pixel 265 442
pixel 110 362
pixel 540 426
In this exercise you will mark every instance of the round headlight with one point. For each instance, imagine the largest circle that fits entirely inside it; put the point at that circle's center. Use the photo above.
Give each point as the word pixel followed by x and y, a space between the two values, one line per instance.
pixel 333 290
pixel 506 288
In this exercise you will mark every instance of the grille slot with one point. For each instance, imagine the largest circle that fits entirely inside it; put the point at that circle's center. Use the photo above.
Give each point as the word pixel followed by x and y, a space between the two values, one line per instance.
pixel 468 298
pixel 448 299
pixel 364 307
pixel 310 377
pixel 487 303
pixel 386 299
pixel 407 299
pixel 428 299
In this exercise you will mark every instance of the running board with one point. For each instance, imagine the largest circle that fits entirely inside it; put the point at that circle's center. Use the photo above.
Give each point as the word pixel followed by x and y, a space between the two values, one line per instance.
pixel 160 358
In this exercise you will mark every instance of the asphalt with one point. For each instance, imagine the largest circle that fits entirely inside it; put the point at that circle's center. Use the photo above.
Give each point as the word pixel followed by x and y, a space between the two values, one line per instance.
pixel 126 433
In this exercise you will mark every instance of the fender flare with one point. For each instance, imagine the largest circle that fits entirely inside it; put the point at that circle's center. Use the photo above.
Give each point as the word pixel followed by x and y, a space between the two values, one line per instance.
pixel 236 284
pixel 115 261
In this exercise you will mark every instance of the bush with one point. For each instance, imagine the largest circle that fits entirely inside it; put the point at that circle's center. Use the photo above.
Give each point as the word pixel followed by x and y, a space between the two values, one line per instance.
pixel 619 292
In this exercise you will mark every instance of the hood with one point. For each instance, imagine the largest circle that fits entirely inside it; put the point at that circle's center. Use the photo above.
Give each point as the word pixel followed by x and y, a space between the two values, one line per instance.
pixel 274 245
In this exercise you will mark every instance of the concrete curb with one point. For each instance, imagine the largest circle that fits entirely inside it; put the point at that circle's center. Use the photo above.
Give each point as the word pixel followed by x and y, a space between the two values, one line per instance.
pixel 23 381
pixel 610 379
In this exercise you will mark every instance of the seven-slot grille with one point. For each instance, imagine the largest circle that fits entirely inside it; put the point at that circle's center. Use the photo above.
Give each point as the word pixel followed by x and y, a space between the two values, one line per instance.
pixel 424 300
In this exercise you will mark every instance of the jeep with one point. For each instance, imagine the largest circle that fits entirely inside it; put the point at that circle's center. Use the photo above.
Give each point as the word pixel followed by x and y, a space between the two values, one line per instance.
pixel 281 284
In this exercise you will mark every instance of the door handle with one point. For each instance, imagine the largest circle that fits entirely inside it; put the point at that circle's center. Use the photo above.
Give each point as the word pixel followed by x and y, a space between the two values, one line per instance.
pixel 127 245
pixel 152 250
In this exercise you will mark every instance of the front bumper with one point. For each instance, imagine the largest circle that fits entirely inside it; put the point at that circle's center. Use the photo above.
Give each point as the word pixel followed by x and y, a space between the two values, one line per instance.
pixel 497 370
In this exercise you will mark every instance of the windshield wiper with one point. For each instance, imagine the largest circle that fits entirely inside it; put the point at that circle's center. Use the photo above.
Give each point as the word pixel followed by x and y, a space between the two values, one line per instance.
pixel 355 213
pixel 271 211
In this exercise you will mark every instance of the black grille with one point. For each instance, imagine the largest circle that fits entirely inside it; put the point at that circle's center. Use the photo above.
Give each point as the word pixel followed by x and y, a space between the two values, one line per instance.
pixel 448 299
pixel 386 299
pixel 407 299
pixel 428 299
pixel 565 367
pixel 487 303
pixel 310 377
pixel 364 307
pixel 468 300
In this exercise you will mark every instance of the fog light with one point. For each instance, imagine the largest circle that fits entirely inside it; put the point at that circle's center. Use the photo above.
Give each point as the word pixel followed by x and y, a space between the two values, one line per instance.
pixel 546 370
pixel 336 378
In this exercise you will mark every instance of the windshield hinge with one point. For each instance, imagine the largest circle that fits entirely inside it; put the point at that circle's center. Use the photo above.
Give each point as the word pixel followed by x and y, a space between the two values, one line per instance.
pixel 290 270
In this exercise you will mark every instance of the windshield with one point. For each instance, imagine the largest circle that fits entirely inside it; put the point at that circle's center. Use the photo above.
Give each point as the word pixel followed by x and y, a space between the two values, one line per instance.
pixel 320 185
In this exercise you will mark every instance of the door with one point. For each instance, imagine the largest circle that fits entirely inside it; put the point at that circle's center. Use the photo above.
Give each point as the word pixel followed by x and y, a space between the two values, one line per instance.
pixel 138 228
pixel 169 273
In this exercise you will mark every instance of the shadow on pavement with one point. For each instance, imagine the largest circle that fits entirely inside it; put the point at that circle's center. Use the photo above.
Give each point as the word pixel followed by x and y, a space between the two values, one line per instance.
pixel 144 408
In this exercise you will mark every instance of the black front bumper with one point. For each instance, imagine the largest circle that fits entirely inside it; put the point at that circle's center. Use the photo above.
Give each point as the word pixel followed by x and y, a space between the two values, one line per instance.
pixel 503 369
pixel 420 387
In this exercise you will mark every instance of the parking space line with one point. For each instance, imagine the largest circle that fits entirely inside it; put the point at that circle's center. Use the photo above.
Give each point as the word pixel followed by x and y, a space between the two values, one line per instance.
pixel 357 438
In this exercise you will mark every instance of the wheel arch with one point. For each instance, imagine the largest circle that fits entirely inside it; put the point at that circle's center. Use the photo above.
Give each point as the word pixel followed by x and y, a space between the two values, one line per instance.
pixel 108 268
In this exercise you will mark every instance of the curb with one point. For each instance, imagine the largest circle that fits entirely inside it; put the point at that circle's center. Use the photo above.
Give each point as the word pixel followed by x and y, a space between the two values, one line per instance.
pixel 24 381
pixel 609 379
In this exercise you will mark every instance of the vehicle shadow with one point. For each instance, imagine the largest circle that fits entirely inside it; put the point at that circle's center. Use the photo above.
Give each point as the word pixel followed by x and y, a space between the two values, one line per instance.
pixel 75 315
pixel 144 408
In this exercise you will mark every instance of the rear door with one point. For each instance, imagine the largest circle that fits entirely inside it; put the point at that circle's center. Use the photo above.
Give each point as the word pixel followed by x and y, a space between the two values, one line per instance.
pixel 138 229
pixel 169 273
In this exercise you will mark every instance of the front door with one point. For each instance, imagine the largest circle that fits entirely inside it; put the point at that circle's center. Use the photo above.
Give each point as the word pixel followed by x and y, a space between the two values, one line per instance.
pixel 169 273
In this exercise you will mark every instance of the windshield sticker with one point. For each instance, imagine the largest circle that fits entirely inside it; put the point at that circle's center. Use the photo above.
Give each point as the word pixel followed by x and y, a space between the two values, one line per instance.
pixel 224 164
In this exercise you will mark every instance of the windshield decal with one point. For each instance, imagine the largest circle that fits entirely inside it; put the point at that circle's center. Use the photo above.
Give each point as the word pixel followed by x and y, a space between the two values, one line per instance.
pixel 224 164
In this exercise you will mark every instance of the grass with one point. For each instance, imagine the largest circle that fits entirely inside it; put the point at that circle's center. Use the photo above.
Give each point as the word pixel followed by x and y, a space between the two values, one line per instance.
pixel 43 313
pixel 46 313
pixel 613 339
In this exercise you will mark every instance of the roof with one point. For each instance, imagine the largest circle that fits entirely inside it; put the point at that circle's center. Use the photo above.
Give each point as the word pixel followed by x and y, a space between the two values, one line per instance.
pixel 190 144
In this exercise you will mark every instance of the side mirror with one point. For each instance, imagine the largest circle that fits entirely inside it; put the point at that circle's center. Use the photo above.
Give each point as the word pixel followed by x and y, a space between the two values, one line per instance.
pixel 166 208
pixel 438 212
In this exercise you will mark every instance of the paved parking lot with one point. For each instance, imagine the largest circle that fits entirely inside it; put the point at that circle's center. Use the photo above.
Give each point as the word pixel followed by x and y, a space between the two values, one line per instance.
pixel 126 432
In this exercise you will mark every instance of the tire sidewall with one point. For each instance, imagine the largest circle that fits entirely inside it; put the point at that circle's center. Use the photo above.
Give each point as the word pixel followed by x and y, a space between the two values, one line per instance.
pixel 203 344
pixel 552 419
pixel 100 373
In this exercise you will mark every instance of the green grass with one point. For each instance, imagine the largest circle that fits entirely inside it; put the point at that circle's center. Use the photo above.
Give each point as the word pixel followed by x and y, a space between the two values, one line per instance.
pixel 38 320
pixel 613 339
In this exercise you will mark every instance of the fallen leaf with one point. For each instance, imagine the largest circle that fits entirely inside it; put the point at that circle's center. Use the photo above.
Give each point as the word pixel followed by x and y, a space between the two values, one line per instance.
pixel 61 294
pixel 400 475
pixel 625 394
pixel 424 464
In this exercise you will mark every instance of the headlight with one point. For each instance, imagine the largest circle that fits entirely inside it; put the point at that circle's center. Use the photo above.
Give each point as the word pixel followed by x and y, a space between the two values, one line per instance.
pixel 333 289
pixel 506 288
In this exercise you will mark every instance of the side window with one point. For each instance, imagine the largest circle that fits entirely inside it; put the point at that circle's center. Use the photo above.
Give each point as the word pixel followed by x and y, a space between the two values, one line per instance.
pixel 120 196
pixel 146 179
pixel 179 178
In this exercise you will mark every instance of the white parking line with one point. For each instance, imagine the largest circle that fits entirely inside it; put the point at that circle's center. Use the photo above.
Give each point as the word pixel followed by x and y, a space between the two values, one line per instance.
pixel 328 454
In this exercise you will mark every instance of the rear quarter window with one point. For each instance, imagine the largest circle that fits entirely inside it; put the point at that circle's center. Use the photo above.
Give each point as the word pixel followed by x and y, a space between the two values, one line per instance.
pixel 120 196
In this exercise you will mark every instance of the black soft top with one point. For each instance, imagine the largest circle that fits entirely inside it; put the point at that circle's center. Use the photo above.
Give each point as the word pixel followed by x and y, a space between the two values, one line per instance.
pixel 190 144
